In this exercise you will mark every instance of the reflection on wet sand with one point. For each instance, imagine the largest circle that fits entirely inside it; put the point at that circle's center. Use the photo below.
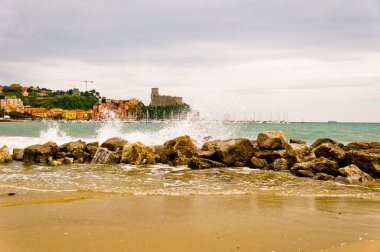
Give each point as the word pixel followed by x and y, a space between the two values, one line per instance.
pixel 110 222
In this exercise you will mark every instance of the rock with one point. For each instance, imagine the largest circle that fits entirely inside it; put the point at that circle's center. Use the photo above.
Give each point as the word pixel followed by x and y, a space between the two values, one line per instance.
pixel 68 160
pixel 178 151
pixel 366 160
pixel 330 151
pixel 105 156
pixel 258 163
pixel 373 147
pixel 271 155
pixel 326 140
pixel 320 164
pixel 81 154
pixel 37 153
pixel 296 141
pixel 18 154
pixel 91 148
pixel 353 174
pixel 235 152
pixel 202 163
pixel 138 154
pixel 299 152
pixel 5 156
pixel 114 144
pixel 53 148
pixel 323 176
pixel 157 153
pixel 209 150
pixel 56 162
pixel 271 140
pixel 304 173
pixel 72 146
pixel 280 164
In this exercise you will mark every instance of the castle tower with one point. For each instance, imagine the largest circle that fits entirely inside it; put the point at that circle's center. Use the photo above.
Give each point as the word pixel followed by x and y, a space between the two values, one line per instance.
pixel 153 95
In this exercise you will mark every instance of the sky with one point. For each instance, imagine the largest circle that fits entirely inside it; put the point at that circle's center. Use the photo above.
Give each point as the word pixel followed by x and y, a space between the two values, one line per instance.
pixel 315 60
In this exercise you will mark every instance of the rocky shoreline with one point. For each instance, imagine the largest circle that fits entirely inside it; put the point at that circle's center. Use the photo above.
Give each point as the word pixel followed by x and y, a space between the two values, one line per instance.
pixel 325 159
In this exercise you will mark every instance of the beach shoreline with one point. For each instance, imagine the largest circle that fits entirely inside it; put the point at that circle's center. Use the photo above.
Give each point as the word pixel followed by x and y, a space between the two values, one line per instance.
pixel 83 221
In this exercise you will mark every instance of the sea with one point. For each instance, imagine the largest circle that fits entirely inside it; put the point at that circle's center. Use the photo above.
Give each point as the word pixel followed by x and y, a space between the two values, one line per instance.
pixel 162 179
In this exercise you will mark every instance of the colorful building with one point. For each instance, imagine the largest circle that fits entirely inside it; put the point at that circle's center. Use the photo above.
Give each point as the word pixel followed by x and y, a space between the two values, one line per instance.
pixel 70 114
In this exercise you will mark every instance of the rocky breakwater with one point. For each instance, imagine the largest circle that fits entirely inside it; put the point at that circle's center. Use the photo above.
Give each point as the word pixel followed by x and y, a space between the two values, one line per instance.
pixel 325 159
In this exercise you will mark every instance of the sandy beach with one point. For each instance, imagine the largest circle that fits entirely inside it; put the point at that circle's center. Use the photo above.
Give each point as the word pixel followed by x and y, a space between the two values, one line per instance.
pixel 101 222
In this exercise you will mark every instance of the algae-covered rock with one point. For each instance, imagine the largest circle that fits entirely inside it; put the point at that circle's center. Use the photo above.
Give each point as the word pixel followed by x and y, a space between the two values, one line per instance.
pixel 5 156
pixel 138 154
pixel 178 151
pixel 203 163
pixel 114 144
pixel 271 140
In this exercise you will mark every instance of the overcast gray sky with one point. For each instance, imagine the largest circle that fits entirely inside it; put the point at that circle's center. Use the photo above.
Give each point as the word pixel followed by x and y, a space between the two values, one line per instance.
pixel 315 59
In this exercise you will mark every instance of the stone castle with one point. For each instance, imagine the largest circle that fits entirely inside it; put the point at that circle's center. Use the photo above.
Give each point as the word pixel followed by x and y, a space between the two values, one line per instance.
pixel 163 100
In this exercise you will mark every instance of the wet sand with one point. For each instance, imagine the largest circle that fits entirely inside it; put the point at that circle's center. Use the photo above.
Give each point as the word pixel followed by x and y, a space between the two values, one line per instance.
pixel 101 222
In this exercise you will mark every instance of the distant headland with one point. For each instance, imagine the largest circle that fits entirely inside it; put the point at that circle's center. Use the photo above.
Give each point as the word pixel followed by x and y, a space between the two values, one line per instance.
pixel 18 102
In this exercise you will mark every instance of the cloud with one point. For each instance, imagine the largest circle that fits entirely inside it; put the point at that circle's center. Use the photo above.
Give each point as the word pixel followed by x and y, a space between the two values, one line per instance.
pixel 205 50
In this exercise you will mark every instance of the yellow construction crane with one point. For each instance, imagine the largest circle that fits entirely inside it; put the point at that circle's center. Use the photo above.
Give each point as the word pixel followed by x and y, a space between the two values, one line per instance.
pixel 83 81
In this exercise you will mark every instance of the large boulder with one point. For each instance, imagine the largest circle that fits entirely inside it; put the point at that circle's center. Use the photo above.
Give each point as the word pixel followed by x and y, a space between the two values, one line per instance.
pixel 138 154
pixel 365 155
pixel 114 144
pixel 352 174
pixel 40 154
pixel 330 151
pixel 203 163
pixel 258 163
pixel 366 160
pixel 299 152
pixel 53 148
pixel 326 140
pixel 271 140
pixel 72 146
pixel 105 156
pixel 178 151
pixel 209 150
pixel 318 165
pixel 5 156
pixel 235 152
pixel 18 154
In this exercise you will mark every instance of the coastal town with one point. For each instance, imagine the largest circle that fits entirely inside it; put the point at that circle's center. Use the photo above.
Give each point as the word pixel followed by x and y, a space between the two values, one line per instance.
pixel 20 102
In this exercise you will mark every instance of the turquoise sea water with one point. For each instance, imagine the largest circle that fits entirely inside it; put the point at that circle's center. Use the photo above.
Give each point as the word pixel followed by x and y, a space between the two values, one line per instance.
pixel 165 180
pixel 157 133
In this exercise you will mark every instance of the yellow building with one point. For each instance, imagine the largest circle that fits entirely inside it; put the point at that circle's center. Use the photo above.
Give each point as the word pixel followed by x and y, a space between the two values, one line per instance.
pixel 69 114
pixel 40 112
pixel 81 115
